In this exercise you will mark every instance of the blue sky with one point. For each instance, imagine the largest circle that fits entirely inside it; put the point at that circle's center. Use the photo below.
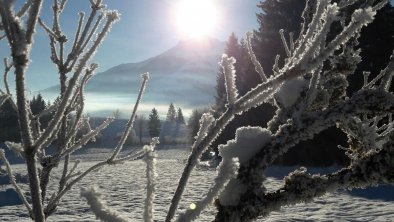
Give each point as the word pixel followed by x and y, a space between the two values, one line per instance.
pixel 146 28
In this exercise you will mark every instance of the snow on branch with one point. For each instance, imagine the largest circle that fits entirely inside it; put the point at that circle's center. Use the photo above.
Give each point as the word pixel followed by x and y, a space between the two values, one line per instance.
pixel 16 148
pixel 205 123
pixel 150 160
pixel 99 208
pixel 256 63
pixel 229 77
pixel 282 36
pixel 386 76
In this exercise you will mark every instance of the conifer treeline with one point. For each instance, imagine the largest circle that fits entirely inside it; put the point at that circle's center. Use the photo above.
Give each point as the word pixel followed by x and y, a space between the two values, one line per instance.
pixel 9 126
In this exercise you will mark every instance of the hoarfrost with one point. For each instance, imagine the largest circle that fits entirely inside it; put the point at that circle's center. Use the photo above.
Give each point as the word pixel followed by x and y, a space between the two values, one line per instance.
pixel 290 91
pixel 232 193
pixel 248 141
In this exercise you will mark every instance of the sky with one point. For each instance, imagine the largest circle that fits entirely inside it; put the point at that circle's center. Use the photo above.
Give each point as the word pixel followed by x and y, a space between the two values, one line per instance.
pixel 147 28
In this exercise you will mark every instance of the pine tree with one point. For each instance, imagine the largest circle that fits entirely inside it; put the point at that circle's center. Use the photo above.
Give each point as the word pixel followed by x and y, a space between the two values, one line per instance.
pixel 37 104
pixel 179 117
pixel 9 126
pixel 171 114
pixel 154 123
pixel 276 15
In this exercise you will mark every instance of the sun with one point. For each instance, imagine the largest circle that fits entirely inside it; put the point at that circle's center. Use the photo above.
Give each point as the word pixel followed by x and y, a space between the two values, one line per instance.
pixel 196 18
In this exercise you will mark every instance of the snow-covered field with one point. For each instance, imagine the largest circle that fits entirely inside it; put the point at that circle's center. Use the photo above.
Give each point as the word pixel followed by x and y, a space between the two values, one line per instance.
pixel 123 188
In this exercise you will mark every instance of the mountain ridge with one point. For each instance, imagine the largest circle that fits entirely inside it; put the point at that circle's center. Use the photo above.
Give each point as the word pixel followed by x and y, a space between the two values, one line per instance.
pixel 184 74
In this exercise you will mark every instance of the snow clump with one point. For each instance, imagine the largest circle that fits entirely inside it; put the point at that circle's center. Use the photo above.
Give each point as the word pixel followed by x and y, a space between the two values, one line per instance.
pixel 291 90
pixel 248 141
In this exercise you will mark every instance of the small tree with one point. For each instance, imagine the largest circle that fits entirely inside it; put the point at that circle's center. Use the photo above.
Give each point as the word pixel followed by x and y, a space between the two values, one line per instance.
pixel 154 124
pixel 171 114
pixel 179 117
pixel 37 105
pixel 116 113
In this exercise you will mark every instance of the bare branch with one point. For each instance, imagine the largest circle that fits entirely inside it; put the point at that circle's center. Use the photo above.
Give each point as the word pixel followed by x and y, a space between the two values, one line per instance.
pixel 24 8
pixel 7 68
pixel 130 123
pixel 256 63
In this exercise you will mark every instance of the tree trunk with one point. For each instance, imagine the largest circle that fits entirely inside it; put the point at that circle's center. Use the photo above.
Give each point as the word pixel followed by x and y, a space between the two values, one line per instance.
pixel 35 190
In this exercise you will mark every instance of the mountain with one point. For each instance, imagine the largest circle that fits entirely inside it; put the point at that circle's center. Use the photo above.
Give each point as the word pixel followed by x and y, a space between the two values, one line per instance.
pixel 184 75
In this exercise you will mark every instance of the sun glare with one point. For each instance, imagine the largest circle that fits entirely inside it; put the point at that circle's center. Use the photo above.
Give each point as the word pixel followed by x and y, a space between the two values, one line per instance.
pixel 196 18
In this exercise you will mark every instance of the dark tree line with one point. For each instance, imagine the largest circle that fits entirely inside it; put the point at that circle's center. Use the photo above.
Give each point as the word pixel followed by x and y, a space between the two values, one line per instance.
pixel 173 116
pixel 9 126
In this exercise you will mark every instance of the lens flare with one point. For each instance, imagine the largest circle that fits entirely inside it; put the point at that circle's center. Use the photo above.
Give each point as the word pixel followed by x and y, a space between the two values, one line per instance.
pixel 196 18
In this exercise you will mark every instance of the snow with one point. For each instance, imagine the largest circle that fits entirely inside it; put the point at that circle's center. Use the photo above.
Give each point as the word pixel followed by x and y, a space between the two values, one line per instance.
pixel 232 194
pixel 125 193
pixel 290 91
pixel 248 141
pixel 227 64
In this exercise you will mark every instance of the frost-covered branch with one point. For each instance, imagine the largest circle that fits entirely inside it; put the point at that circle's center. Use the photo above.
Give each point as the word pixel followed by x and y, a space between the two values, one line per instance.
pixel 300 128
pixel 86 138
pixel 20 41
pixel 7 68
pixel 285 45
pixel 386 76
pixel 253 98
pixel 227 170
pixel 300 187
pixel 99 208
pixel 229 77
pixel 111 18
pixel 93 197
pixel 130 123
pixel 112 160
pixel 256 63
pixel 150 159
